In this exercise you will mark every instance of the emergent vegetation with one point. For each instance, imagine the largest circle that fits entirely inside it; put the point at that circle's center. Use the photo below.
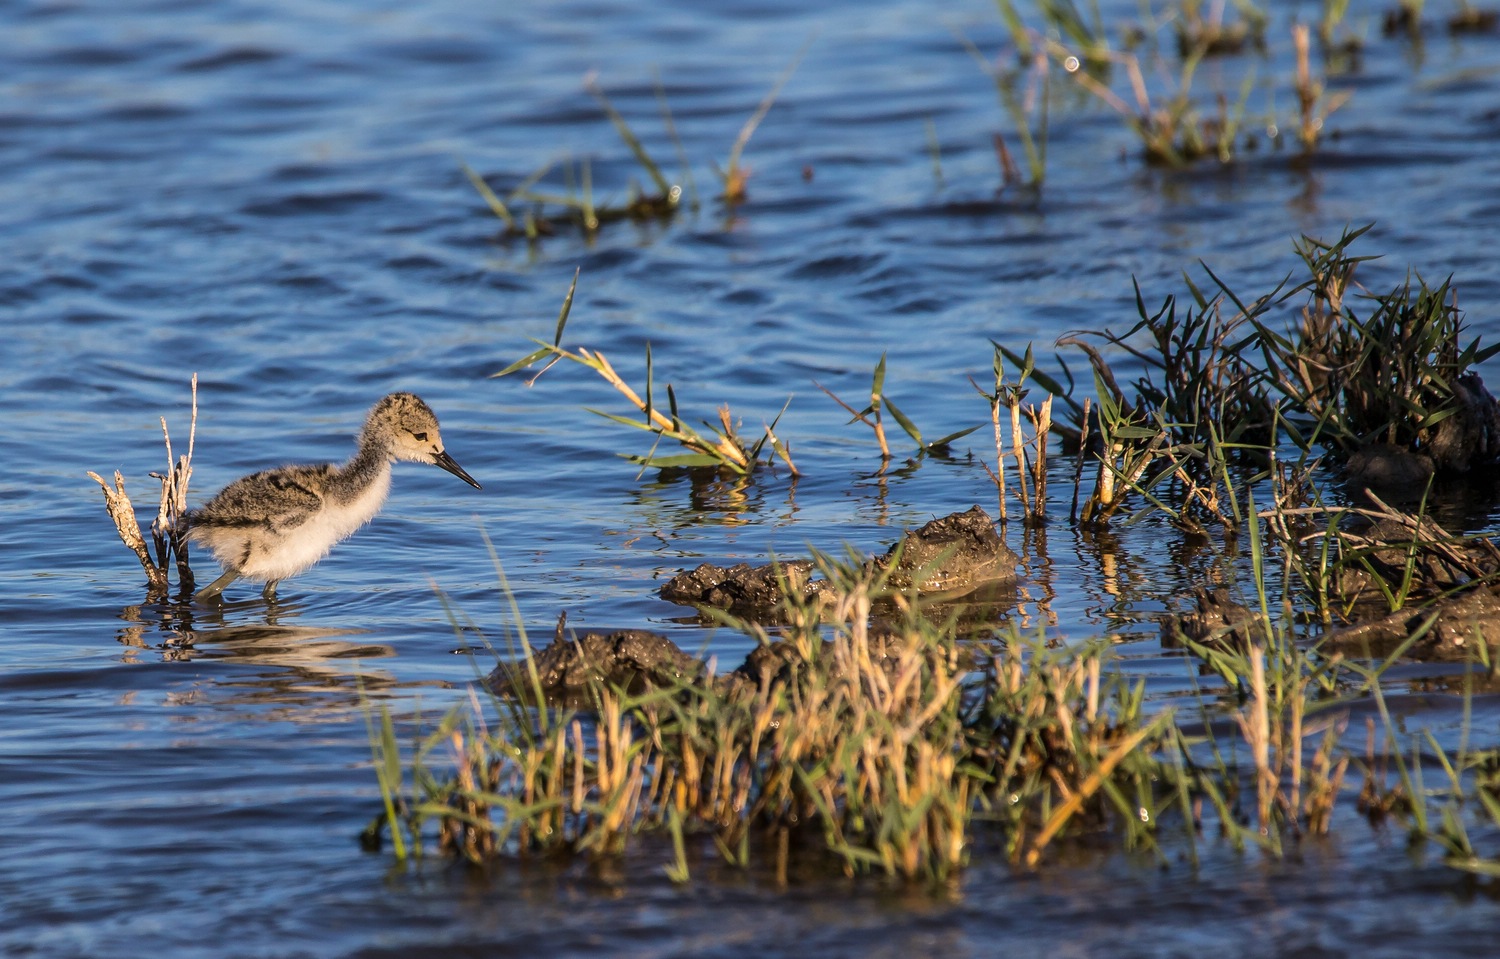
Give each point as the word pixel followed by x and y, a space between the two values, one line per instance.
pixel 887 731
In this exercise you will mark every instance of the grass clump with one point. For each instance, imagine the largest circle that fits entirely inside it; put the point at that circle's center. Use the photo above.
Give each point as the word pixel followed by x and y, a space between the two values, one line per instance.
pixel 1388 368
pixel 1386 382
pixel 1211 32
pixel 1030 465
pixel 882 734
pixel 873 416
pixel 576 199
pixel 878 746
pixel 578 202
pixel 900 745
pixel 1027 107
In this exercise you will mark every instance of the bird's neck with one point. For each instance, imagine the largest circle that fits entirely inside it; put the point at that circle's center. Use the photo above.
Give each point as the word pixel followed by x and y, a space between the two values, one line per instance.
pixel 370 468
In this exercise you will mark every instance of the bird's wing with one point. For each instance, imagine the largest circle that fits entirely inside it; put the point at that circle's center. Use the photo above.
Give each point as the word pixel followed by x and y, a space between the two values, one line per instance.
pixel 275 498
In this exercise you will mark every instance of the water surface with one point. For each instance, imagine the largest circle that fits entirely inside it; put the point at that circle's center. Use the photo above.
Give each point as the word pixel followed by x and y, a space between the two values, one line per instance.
pixel 268 194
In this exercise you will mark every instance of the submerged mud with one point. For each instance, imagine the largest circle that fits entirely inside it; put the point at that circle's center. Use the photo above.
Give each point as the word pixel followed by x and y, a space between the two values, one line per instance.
pixel 750 592
pixel 1215 620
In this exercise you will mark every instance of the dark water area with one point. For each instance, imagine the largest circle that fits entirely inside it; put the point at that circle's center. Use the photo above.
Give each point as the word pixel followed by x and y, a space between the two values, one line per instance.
pixel 268 194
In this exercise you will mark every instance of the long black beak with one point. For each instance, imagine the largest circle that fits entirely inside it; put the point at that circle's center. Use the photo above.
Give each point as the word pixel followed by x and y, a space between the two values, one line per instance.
pixel 448 463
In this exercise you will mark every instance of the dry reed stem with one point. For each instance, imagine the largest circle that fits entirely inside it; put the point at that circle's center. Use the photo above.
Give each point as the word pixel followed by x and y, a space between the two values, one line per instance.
pixel 168 529
pixel 1255 724
pixel 1018 447
pixel 1041 427
pixel 879 427
pixel 725 449
pixel 783 450
pixel 1106 484
pixel 607 370
pixel 734 176
pixel 1307 92
pixel 1083 446
pixel 1421 531
pixel 1299 707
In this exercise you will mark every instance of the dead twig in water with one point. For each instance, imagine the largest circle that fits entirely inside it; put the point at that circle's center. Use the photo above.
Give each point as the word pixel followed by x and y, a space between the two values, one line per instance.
pixel 168 532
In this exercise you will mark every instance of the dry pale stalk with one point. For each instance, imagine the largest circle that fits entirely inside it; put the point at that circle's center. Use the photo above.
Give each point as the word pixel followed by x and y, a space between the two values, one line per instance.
pixel 168 531
pixel 1106 494
pixel 1018 446
pixel 1255 724
pixel 1096 779
pixel 885 449
pixel 782 450
pixel 1083 446
pixel 1307 91
pixel 1041 426
pixel 1310 91
pixel 725 448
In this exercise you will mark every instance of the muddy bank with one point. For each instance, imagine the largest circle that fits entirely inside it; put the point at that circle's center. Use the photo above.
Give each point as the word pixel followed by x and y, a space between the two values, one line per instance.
pixel 1446 629
pixel 1451 606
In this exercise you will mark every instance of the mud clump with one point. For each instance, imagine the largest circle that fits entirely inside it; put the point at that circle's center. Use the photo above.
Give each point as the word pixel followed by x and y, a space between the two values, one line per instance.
pixel 1400 552
pixel 628 658
pixel 956 554
pixel 1458 624
pixel 1390 468
pixel 637 660
pixel 750 592
pixel 1471 436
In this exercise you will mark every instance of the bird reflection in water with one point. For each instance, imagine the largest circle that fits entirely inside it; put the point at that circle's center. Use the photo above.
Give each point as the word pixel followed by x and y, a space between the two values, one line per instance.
pixel 312 670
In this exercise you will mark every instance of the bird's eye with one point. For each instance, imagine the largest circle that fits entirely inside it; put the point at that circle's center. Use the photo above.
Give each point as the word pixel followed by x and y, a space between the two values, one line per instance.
pixel 420 437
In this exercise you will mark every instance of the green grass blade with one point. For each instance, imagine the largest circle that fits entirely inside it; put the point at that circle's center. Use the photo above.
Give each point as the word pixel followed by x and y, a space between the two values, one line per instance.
pixel 496 205
pixel 906 424
pixel 631 141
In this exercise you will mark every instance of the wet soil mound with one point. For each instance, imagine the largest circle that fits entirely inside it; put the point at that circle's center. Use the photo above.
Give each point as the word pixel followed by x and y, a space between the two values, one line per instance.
pixel 628 658
pixel 956 554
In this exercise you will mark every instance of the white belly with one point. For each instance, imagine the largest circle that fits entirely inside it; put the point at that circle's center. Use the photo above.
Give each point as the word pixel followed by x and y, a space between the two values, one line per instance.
pixel 275 555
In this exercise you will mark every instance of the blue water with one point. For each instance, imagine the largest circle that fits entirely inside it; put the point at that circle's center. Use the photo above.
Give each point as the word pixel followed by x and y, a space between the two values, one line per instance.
pixel 268 194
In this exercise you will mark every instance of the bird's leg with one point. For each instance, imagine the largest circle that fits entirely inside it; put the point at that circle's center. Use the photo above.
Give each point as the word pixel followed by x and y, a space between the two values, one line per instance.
pixel 269 593
pixel 212 590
